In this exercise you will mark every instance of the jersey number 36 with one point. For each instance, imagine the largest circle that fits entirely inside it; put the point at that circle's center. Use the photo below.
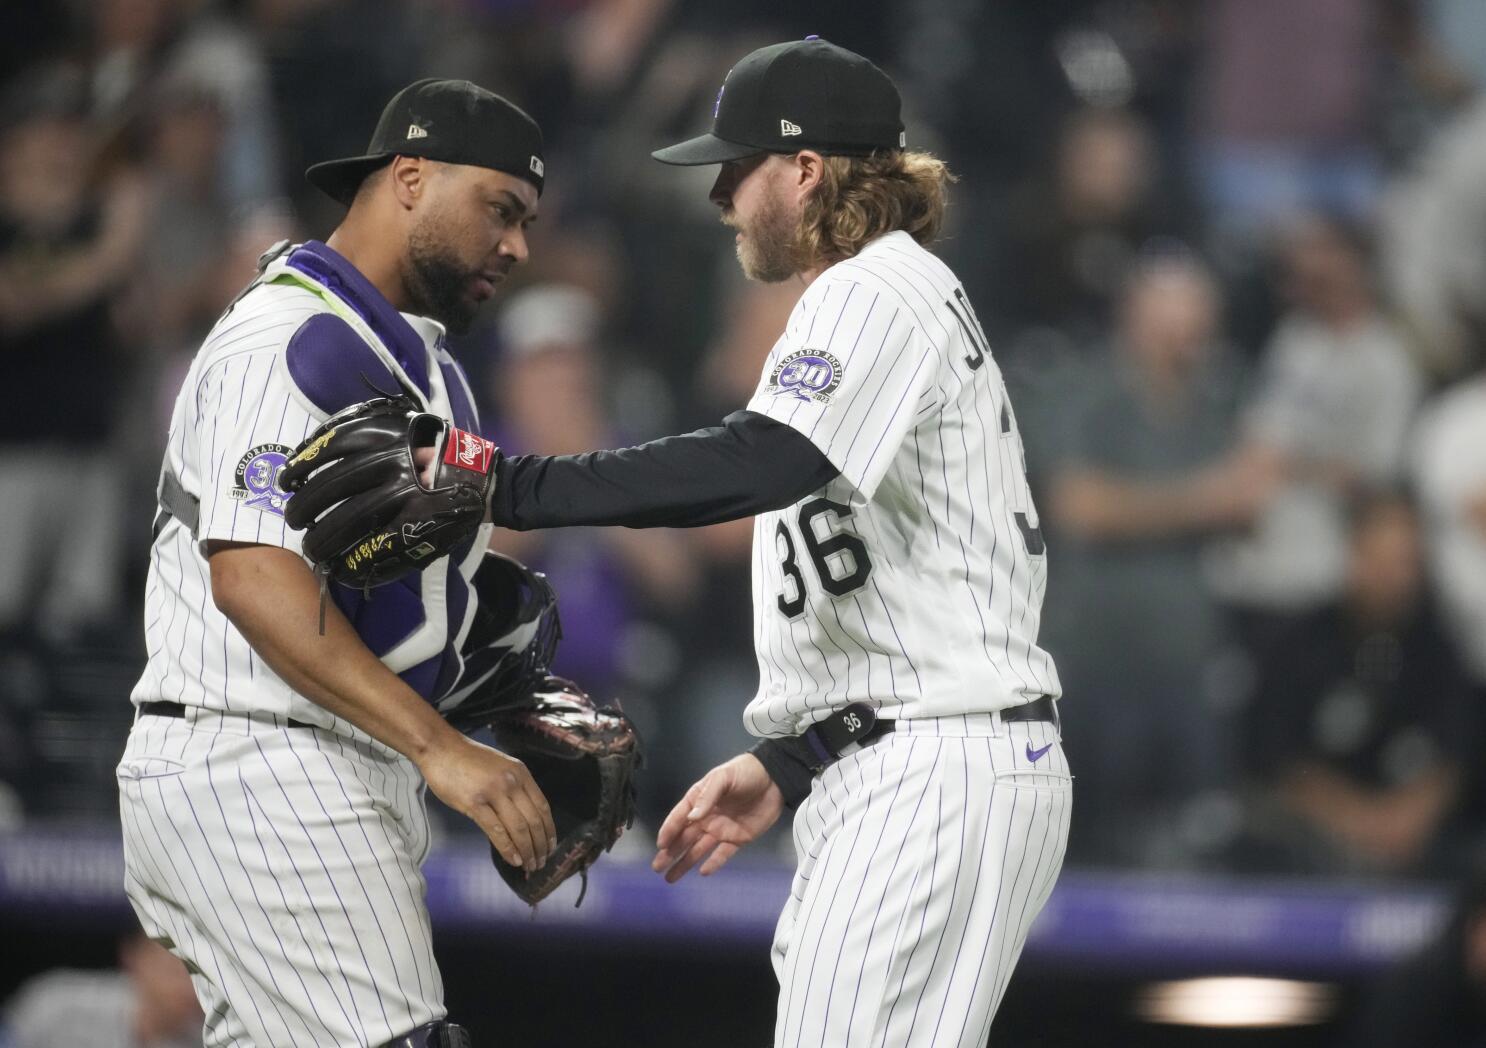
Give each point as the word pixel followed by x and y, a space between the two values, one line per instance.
pixel 840 558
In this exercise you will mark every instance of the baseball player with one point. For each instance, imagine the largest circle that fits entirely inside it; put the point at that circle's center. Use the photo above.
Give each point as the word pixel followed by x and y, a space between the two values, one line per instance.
pixel 898 574
pixel 271 790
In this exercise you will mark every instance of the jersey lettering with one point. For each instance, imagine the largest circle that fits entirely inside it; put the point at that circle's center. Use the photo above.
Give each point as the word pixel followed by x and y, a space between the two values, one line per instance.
pixel 979 344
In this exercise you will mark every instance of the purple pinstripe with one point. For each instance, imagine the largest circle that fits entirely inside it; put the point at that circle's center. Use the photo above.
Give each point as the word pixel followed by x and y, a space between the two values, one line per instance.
pixel 335 888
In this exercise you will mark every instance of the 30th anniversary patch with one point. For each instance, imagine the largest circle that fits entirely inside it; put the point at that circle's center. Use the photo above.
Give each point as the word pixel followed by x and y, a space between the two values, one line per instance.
pixel 256 480
pixel 807 374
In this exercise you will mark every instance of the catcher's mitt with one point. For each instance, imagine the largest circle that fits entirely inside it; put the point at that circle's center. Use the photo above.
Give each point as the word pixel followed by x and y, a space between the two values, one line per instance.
pixel 583 757
pixel 366 516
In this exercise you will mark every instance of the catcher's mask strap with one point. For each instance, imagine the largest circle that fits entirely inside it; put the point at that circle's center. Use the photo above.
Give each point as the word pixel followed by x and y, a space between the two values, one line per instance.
pixel 324 573
pixel 175 501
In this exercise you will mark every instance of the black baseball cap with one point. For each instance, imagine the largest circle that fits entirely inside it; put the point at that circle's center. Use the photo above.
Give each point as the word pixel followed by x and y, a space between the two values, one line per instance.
pixel 804 94
pixel 450 120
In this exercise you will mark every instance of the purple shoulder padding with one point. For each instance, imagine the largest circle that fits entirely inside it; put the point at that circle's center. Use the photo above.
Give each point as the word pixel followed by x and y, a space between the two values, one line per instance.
pixel 334 367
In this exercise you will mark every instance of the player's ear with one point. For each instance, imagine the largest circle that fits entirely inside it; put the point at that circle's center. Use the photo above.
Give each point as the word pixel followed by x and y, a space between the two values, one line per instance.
pixel 410 177
pixel 809 169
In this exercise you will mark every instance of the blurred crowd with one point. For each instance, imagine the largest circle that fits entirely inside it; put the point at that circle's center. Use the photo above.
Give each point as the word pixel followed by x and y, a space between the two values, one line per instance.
pixel 1231 255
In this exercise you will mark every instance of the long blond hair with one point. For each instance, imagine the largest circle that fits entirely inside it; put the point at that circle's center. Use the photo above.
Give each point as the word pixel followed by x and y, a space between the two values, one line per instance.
pixel 861 198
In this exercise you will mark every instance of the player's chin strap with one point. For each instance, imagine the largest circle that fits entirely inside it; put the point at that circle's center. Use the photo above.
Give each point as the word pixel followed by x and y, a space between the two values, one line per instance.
pixel 441 1034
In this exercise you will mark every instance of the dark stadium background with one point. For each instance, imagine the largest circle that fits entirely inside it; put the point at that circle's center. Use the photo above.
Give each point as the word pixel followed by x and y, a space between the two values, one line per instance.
pixel 1231 255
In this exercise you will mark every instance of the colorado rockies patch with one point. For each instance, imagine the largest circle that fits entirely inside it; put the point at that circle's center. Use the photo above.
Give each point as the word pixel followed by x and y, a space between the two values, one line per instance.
pixel 806 374
pixel 256 480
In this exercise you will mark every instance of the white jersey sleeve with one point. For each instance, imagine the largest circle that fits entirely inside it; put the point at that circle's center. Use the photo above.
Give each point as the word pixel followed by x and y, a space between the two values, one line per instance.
pixel 245 423
pixel 851 372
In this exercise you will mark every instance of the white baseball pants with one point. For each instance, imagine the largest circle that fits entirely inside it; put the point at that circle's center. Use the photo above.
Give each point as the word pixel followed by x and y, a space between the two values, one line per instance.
pixel 283 865
pixel 923 859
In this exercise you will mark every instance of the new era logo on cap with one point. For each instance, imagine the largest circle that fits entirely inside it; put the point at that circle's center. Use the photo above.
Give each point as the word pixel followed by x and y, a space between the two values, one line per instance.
pixel 537 167
pixel 786 128
pixel 414 131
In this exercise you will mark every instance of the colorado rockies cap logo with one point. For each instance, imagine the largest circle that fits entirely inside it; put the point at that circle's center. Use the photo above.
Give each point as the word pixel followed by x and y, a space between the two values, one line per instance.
pixel 256 479
pixel 806 374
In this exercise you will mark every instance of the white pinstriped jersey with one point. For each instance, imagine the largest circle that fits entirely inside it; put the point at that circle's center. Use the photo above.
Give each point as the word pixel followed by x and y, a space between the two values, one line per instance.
pixel 914 580
pixel 237 416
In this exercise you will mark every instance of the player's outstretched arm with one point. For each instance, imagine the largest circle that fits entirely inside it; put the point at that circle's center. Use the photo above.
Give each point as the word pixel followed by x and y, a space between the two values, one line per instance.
pixel 274 600
pixel 727 808
pixel 747 465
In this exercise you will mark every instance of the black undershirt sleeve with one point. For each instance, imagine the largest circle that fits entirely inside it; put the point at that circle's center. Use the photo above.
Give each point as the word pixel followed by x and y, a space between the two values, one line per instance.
pixel 748 465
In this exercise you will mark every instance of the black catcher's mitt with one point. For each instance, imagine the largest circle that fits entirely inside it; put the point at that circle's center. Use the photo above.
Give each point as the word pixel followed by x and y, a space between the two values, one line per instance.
pixel 366 516
pixel 583 757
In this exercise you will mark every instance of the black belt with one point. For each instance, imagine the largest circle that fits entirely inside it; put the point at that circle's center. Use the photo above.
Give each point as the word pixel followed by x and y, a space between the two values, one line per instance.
pixel 859 723
pixel 1039 709
pixel 175 709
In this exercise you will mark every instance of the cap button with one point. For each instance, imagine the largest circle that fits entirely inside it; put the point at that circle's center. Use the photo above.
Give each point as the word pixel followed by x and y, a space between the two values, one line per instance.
pixel 813 36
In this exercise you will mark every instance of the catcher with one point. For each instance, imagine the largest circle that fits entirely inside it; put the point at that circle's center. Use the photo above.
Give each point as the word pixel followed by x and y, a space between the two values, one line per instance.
pixel 271 790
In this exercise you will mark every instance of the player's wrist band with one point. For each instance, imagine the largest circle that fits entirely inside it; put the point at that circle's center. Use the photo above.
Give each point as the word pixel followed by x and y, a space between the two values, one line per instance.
pixel 794 760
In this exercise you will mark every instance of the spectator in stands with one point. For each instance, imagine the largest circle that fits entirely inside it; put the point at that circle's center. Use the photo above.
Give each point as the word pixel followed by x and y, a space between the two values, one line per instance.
pixel 1436 998
pixel 1364 721
pixel 201 250
pixel 69 234
pixel 1288 92
pixel 1450 470
pixel 1433 239
pixel 147 1003
pixel 137 43
pixel 1144 473
pixel 1076 232
pixel 1332 414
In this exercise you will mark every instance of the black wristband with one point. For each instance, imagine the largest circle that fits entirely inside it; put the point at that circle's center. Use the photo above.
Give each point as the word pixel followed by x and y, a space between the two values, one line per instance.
pixel 790 764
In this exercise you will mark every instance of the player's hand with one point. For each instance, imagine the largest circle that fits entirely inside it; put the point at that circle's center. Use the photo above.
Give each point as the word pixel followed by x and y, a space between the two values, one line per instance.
pixel 729 807
pixel 425 459
pixel 498 793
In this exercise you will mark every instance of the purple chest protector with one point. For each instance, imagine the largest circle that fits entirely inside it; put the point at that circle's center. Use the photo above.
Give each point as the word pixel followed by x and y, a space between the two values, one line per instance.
pixel 334 367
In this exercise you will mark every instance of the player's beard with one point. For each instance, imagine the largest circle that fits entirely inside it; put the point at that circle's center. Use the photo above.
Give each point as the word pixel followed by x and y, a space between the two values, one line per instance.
pixel 437 282
pixel 770 250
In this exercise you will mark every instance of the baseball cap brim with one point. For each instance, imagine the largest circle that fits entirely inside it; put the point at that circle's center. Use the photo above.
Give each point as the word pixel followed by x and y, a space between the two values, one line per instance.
pixel 340 179
pixel 705 149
